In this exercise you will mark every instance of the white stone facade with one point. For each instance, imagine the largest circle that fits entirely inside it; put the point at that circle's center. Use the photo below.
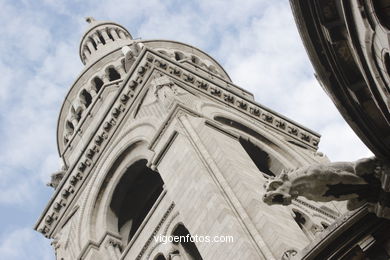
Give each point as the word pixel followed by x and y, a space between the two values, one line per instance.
pixel 168 111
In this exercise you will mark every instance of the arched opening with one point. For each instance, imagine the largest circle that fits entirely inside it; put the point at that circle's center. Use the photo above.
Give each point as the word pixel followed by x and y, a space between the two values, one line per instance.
pixel 382 10
pixel 93 43
pixel 324 225
pixel 86 98
pixel 69 127
pixel 304 223
pixel 267 163
pixel 179 56
pixel 113 74
pixel 101 38
pixel 133 198
pixel 160 257
pixel 97 84
pixel 185 247
pixel 258 156
pixel 386 61
pixel 109 35
pixel 195 59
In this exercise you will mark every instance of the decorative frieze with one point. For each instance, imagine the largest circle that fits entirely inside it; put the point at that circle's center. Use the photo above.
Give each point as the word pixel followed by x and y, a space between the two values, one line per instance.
pixel 147 62
pixel 79 173
pixel 232 99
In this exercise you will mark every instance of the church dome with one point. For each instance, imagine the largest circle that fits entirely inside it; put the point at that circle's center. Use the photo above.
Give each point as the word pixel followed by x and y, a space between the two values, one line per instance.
pixel 101 38
pixel 101 51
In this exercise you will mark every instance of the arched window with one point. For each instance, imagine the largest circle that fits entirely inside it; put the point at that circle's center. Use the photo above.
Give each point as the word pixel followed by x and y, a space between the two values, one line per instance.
pixel 113 74
pixel 93 43
pixel 185 248
pixel 109 35
pixel 258 156
pixel 86 98
pixel 160 257
pixel 69 127
pixel 97 84
pixel 268 164
pixel 138 190
pixel 179 56
pixel 195 59
pixel 101 38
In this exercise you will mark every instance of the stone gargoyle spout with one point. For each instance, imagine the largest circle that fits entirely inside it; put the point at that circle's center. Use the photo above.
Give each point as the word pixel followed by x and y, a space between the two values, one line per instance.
pixel 360 182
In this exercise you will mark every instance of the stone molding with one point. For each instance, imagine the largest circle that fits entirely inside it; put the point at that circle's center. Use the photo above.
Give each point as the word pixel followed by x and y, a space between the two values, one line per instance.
pixel 148 61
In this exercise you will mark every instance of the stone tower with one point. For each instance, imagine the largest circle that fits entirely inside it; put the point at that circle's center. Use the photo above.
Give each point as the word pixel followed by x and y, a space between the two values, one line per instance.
pixel 156 141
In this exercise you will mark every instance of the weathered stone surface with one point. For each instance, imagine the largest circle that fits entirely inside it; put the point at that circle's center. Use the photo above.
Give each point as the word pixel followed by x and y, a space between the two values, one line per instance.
pixel 158 141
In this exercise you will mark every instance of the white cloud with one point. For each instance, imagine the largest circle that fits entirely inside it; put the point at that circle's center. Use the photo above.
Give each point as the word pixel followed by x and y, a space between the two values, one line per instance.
pixel 341 143
pixel 24 243
pixel 24 34
pixel 267 57
pixel 256 41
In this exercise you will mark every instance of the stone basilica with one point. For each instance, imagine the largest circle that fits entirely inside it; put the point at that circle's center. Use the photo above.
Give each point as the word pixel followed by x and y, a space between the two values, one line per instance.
pixel 157 141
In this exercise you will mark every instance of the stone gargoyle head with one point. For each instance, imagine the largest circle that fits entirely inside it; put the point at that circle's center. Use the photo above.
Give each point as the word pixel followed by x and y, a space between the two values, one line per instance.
pixel 278 190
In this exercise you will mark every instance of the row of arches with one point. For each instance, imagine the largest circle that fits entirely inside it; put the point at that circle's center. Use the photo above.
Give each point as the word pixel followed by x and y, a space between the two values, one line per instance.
pixel 181 56
pixel 102 37
pixel 85 98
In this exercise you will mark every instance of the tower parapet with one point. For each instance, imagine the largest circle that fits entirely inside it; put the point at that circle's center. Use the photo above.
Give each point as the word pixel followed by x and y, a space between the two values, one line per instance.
pixel 103 50
pixel 101 38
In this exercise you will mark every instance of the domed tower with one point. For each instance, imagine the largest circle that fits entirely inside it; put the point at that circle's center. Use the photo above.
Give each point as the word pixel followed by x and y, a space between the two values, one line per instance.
pixel 101 38
pixel 157 142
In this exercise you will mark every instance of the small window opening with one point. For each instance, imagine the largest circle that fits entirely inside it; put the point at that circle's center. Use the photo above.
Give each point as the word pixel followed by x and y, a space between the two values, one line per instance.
pixel 185 247
pixel 97 84
pixel 195 59
pixel 86 97
pixel 93 43
pixel 101 38
pixel 69 127
pixel 179 55
pixel 300 219
pixel 160 257
pixel 113 74
pixel 109 35
pixel 386 60
pixel 87 49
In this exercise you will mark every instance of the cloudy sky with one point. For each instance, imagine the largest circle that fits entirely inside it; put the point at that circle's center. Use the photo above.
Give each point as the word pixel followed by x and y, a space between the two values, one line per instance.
pixel 255 40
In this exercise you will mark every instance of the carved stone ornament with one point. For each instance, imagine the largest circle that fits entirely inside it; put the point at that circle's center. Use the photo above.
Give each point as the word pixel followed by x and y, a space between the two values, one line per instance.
pixel 56 179
pixel 164 90
pixel 360 182
pixel 289 254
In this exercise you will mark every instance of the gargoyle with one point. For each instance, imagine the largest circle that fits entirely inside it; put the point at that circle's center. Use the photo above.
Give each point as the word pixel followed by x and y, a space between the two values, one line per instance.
pixel 358 182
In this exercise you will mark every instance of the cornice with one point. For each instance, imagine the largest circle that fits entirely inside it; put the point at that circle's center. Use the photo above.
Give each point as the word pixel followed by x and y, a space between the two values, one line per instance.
pixel 128 91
